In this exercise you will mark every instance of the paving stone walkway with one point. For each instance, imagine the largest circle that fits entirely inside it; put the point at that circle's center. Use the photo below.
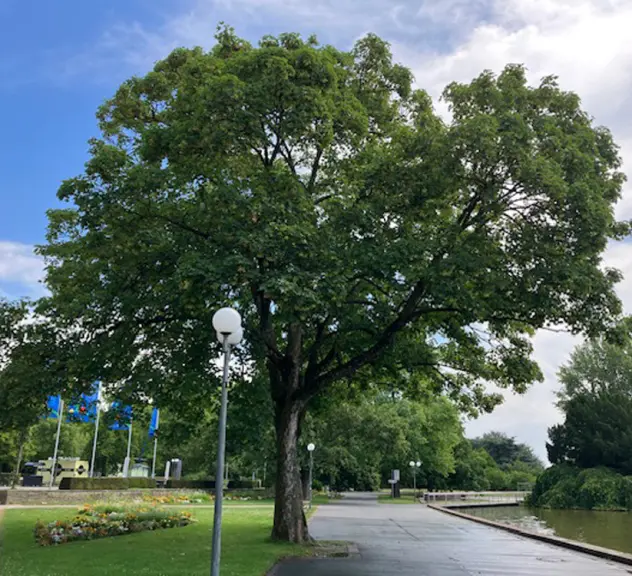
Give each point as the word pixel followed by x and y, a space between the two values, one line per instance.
pixel 417 541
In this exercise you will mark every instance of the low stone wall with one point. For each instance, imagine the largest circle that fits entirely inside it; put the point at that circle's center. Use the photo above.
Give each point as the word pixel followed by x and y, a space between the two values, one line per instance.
pixel 43 497
pixel 590 549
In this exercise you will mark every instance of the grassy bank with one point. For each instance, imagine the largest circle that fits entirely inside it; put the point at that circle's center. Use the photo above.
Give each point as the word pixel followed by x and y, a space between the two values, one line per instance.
pixel 246 548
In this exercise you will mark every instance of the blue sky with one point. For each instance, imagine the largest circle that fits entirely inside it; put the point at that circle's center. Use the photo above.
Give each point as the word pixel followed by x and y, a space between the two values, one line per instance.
pixel 60 60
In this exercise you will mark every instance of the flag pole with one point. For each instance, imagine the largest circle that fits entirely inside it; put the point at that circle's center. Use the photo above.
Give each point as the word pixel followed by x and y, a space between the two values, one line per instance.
pixel 60 414
pixel 96 432
pixel 129 451
pixel 153 463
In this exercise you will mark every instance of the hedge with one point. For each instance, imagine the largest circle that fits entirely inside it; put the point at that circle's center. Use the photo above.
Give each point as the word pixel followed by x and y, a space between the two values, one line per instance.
pixel 210 484
pixel 104 521
pixel 106 483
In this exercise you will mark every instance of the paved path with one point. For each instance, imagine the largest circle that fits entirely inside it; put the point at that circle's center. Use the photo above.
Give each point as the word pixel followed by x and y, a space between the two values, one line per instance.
pixel 417 541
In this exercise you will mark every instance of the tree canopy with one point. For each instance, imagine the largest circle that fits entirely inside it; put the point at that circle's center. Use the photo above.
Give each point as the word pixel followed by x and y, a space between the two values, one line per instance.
pixel 506 451
pixel 358 233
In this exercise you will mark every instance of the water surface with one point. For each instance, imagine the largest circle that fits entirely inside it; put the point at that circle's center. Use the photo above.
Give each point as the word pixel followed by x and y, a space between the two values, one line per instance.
pixel 608 529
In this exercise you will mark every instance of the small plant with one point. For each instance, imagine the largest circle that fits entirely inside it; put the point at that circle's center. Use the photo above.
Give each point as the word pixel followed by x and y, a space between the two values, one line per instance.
pixel 92 522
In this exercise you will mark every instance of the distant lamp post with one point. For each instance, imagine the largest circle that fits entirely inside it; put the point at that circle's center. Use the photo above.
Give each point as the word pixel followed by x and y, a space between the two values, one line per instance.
pixel 415 466
pixel 227 323
pixel 310 448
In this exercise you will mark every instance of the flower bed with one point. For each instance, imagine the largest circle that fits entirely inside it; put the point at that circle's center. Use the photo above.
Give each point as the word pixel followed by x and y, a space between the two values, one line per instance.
pixel 195 498
pixel 202 498
pixel 104 521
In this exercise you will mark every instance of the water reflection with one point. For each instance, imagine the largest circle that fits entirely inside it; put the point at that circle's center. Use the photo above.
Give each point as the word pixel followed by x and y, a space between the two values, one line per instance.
pixel 607 529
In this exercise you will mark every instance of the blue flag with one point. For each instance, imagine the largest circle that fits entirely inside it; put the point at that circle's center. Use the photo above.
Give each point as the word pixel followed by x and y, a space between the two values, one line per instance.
pixel 122 416
pixel 153 424
pixel 85 408
pixel 52 407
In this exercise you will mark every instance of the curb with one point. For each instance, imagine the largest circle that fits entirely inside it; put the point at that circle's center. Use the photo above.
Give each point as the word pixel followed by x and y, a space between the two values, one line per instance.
pixel 591 550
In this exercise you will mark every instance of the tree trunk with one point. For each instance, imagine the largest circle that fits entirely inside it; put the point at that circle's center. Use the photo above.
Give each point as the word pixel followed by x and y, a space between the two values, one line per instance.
pixel 289 520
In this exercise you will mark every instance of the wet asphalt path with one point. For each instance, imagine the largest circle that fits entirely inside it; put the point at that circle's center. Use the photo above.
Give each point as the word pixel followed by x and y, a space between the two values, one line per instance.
pixel 409 540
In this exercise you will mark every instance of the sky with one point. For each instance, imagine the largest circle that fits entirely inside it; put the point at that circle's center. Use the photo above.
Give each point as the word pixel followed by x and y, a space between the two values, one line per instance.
pixel 60 60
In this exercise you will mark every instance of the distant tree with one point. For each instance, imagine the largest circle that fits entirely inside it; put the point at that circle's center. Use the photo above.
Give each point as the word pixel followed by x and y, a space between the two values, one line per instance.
pixel 360 443
pixel 596 366
pixel 597 431
pixel 357 232
pixel 471 468
pixel 506 451
pixel 596 398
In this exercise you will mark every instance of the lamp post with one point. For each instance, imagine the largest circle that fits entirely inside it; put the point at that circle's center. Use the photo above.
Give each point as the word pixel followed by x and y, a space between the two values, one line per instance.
pixel 415 466
pixel 227 323
pixel 310 448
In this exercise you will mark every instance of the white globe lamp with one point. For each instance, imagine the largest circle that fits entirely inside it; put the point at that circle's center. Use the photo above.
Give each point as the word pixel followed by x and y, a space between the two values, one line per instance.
pixel 226 321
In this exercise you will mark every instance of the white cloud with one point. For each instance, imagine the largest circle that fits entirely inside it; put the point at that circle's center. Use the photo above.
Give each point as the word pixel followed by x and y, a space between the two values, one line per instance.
pixel 20 270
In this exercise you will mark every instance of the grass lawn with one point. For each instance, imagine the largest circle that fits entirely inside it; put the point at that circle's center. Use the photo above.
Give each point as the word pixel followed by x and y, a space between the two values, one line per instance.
pixel 246 548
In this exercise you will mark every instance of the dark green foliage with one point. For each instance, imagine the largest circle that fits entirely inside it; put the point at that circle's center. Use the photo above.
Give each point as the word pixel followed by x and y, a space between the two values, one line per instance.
pixel 564 486
pixel 597 402
pixel 476 468
pixel 506 451
pixel 106 483
pixel 360 441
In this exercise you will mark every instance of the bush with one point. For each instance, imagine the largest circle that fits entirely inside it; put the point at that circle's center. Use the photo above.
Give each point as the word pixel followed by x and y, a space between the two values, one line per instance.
pixel 105 521
pixel 594 488
pixel 106 483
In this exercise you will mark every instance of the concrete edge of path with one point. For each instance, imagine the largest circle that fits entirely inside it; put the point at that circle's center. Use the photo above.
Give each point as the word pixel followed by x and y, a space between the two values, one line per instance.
pixel 598 551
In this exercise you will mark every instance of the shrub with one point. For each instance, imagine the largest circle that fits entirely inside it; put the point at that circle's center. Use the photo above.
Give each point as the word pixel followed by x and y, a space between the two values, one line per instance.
pixel 106 483
pixel 594 488
pixel 105 521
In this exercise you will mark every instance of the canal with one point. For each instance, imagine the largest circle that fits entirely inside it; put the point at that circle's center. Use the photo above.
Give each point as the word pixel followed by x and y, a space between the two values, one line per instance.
pixel 608 529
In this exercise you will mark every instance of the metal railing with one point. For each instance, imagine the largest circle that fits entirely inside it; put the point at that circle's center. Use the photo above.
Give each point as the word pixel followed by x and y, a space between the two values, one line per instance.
pixel 475 497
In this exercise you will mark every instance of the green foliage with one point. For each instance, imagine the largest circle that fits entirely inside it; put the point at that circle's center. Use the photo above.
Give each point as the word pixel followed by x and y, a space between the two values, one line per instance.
pixel 418 229
pixel 597 402
pixel 506 451
pixel 106 483
pixel 360 441
pixel 564 486
pixel 493 462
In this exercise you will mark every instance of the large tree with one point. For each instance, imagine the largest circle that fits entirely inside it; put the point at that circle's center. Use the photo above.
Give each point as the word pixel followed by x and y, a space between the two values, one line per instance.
pixel 356 231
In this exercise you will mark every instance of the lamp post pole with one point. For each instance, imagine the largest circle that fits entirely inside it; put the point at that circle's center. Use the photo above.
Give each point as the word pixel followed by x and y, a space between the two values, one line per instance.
pixel 310 448
pixel 415 466
pixel 227 323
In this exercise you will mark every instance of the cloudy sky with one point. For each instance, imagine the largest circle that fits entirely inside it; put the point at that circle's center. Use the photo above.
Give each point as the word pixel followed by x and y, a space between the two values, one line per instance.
pixel 59 60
